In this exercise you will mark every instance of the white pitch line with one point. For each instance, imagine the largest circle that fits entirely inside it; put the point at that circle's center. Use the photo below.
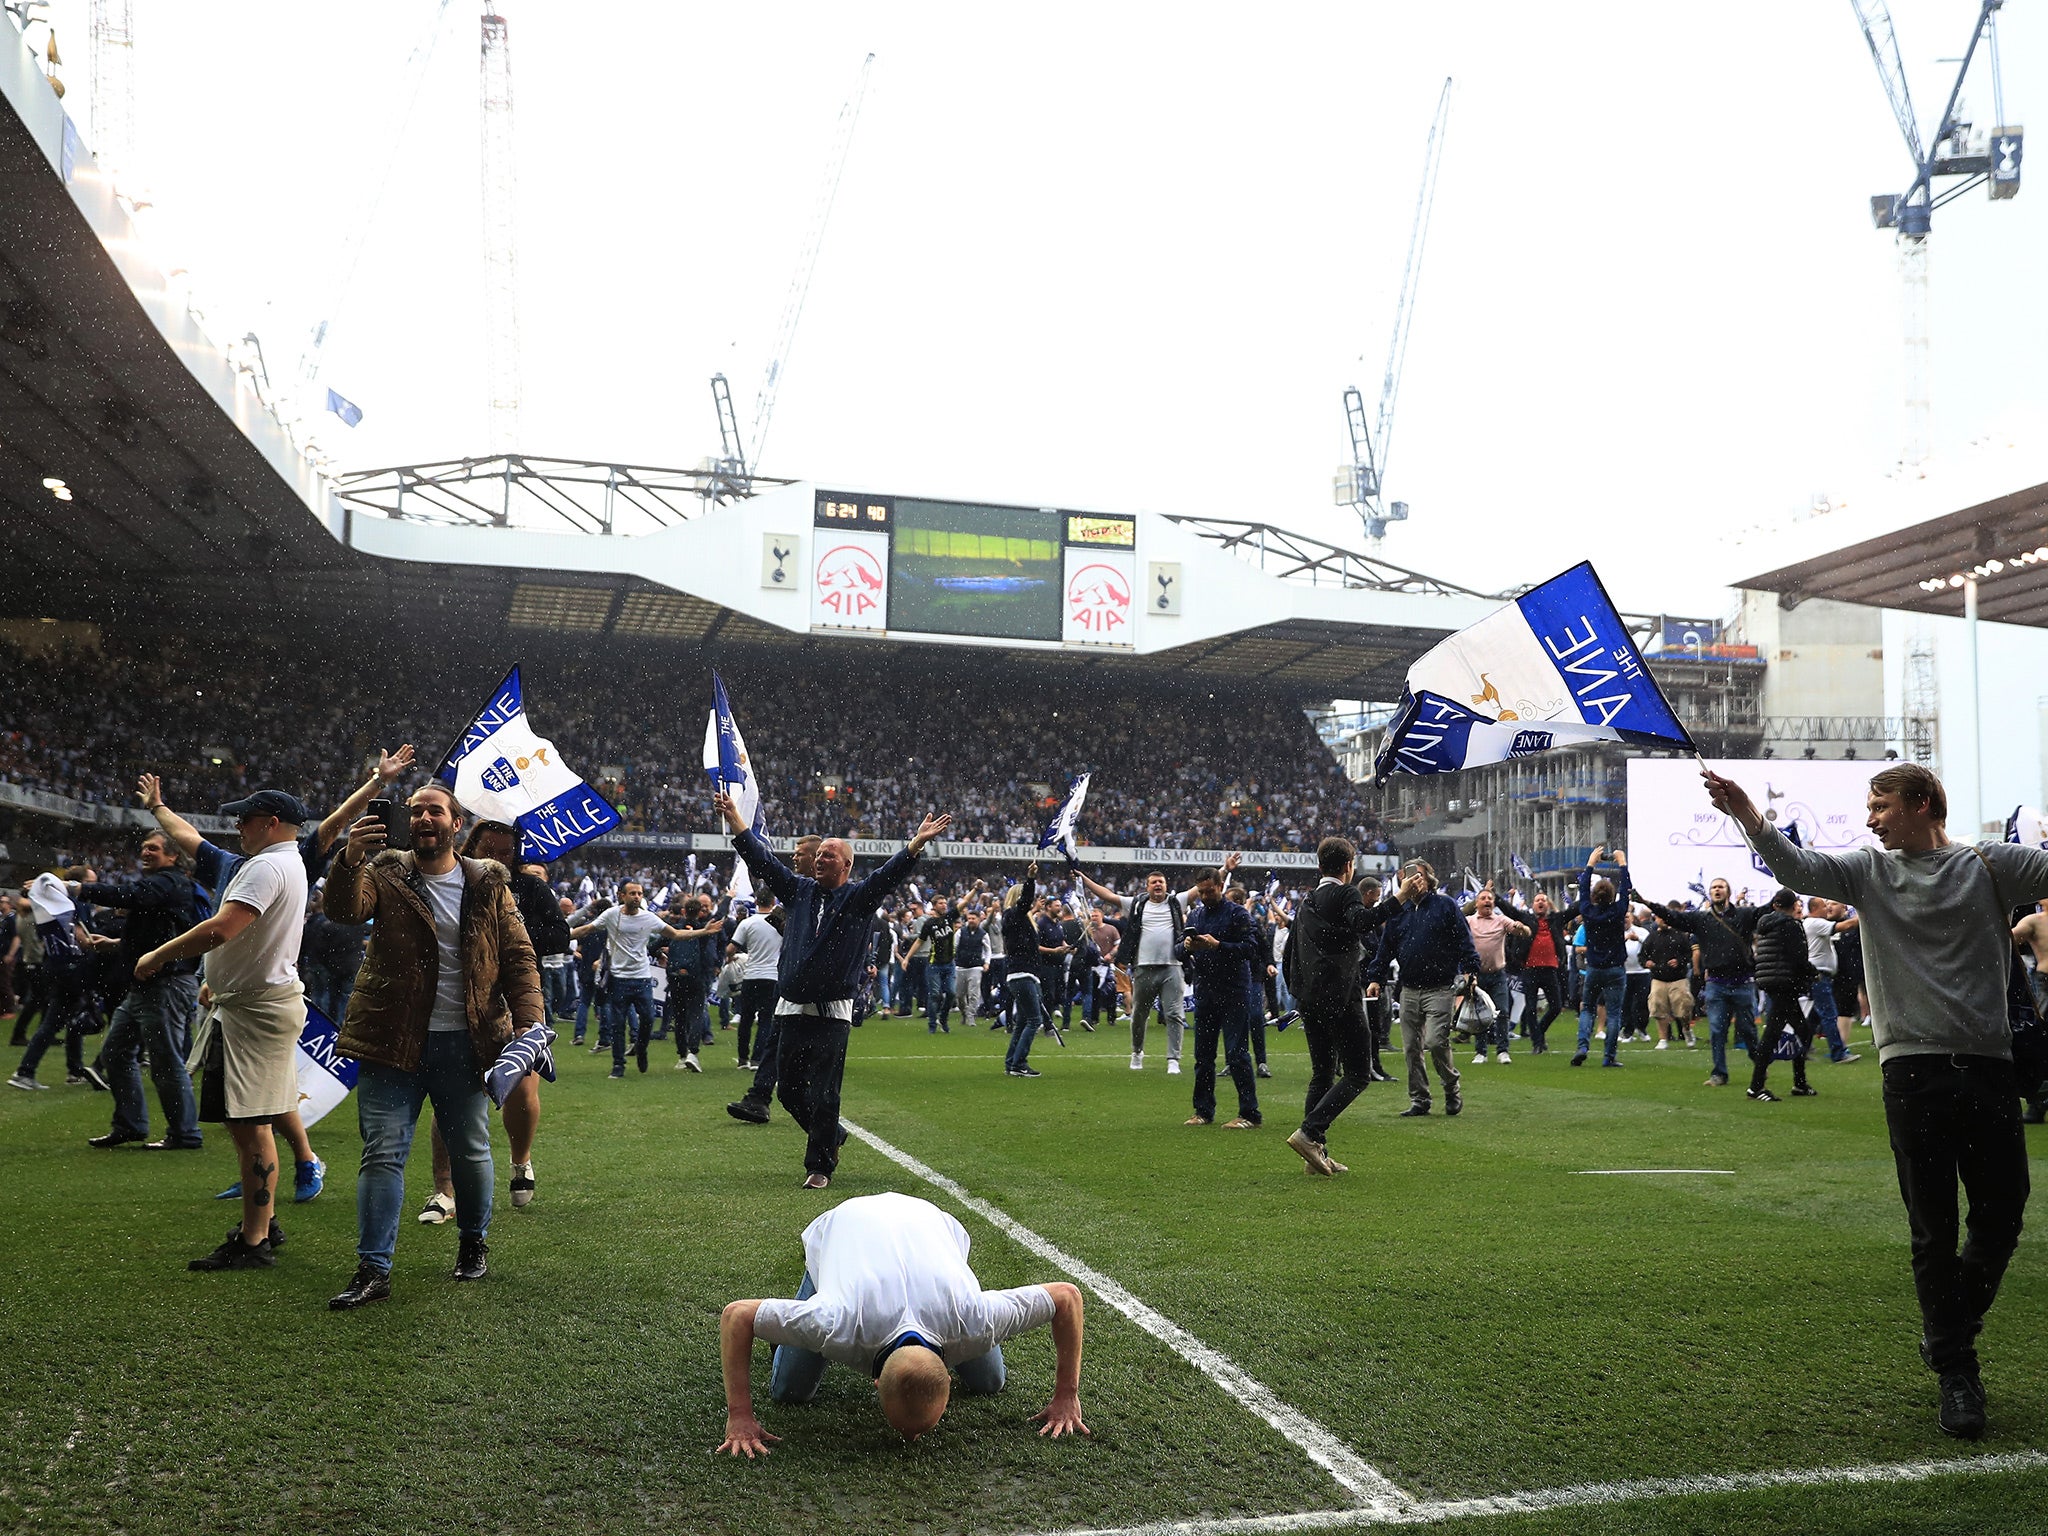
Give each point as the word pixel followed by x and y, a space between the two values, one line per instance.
pixel 1363 1482
pixel 1580 1495
pixel 1653 1170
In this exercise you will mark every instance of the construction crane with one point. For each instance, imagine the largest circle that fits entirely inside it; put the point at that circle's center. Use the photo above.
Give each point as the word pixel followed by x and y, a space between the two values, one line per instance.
pixel 356 230
pixel 800 284
pixel 1953 153
pixel 729 477
pixel 1359 483
pixel 113 88
pixel 501 235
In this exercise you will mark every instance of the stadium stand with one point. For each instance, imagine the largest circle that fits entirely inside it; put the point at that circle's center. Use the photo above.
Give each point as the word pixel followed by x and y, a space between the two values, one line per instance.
pixel 978 736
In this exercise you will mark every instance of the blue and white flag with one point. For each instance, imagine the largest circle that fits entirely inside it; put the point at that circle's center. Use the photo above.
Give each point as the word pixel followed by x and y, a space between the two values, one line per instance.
pixel 325 1079
pixel 526 1052
pixel 349 412
pixel 1521 866
pixel 725 759
pixel 1272 886
pixel 1554 667
pixel 501 770
pixel 2027 825
pixel 1059 835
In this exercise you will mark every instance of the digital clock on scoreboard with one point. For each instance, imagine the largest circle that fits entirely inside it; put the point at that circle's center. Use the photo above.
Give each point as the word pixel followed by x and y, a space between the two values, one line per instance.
pixel 838 509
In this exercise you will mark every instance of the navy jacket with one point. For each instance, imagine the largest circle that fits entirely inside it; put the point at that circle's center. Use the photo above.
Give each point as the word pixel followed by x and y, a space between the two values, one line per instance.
pixel 160 904
pixel 824 933
pixel 1432 941
pixel 1606 925
pixel 1229 964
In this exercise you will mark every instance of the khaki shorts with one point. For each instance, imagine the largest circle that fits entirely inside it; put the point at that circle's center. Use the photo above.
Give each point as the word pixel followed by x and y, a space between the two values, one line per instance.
pixel 1671 1001
pixel 259 1033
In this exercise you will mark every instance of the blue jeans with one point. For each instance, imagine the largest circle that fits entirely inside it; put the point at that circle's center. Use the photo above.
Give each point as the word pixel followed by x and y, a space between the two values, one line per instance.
pixel 938 995
pixel 587 998
pixel 388 1105
pixel 1604 984
pixel 561 990
pixel 156 1016
pixel 63 1011
pixel 631 999
pixel 1723 999
pixel 1027 1013
pixel 795 1374
pixel 1224 1011
pixel 1495 985
pixel 1825 1015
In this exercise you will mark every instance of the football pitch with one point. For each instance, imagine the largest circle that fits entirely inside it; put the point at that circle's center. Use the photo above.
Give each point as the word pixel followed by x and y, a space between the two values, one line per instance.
pixel 1470 1327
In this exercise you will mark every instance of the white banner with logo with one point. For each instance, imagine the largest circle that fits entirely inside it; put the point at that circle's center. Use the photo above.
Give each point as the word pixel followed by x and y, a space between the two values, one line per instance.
pixel 1678 844
pixel 1098 609
pixel 849 580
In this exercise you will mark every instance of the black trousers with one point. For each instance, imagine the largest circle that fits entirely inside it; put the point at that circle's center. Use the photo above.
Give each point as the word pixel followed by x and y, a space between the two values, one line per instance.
pixel 757 1007
pixel 1950 1118
pixel 1782 1012
pixel 1337 1038
pixel 812 1063
pixel 1541 981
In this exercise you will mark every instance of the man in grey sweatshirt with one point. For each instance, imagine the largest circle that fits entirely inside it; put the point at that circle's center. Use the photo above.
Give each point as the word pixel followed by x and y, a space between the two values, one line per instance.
pixel 1937 950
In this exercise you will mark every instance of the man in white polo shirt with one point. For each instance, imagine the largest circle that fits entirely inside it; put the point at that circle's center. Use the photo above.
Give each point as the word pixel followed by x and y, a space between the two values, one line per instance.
pixel 887 1290
pixel 252 945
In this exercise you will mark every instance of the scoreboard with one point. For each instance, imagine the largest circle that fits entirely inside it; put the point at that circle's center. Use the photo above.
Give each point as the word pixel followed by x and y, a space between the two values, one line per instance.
pixel 912 565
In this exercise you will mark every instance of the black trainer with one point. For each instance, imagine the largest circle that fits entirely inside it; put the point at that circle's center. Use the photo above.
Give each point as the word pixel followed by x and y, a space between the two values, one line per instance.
pixel 94 1079
pixel 369 1284
pixel 1962 1406
pixel 1453 1102
pixel 469 1261
pixel 1578 1058
pixel 749 1111
pixel 113 1139
pixel 1412 1111
pixel 236 1254
pixel 1762 1095
pixel 1027 1072
pixel 1805 1091
pixel 275 1237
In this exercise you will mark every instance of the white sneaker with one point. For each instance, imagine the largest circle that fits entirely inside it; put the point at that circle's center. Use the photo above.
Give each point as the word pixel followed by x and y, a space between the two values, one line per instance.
pixel 682 1064
pixel 1479 1059
pixel 1137 1061
pixel 1172 1067
pixel 437 1210
pixel 1505 1058
pixel 1663 1045
pixel 1599 1034
pixel 690 1063
pixel 522 1183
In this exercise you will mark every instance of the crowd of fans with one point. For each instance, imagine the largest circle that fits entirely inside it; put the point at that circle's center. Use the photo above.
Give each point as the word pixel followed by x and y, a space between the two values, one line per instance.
pixel 845 751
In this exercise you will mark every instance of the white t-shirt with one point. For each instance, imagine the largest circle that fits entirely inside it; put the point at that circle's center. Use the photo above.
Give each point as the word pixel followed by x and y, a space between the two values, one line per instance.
pixel 1155 930
pixel 626 940
pixel 1632 949
pixel 266 953
pixel 884 1264
pixel 444 899
pixel 1820 944
pixel 757 936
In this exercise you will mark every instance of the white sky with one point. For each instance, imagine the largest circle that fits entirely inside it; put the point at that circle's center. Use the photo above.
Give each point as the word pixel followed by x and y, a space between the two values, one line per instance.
pixel 1129 257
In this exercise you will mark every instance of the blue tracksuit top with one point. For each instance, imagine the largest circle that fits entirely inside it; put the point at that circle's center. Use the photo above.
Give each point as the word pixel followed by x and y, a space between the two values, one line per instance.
pixel 1432 941
pixel 824 933
pixel 1606 926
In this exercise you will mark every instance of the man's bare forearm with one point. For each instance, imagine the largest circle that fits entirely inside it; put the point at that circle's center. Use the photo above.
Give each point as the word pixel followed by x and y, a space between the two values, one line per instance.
pixel 735 1355
pixel 1066 1336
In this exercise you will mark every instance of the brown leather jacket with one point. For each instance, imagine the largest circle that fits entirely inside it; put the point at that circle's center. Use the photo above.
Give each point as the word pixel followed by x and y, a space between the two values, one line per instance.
pixel 394 993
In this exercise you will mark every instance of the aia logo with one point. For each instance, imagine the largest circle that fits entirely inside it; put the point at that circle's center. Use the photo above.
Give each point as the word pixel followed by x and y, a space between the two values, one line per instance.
pixel 849 582
pixel 1099 600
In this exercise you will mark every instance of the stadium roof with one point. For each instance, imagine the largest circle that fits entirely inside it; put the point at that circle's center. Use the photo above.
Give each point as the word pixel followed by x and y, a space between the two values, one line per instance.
pixel 186 501
pixel 1919 562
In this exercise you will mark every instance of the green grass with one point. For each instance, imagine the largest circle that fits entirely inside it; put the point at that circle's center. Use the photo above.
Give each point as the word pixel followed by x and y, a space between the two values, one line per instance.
pixel 1463 1309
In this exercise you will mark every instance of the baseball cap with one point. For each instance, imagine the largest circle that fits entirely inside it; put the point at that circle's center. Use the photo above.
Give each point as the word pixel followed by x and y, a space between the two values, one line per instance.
pixel 268 802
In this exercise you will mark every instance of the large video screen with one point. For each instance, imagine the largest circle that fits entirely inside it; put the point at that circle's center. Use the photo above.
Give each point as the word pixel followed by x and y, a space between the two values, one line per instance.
pixel 956 569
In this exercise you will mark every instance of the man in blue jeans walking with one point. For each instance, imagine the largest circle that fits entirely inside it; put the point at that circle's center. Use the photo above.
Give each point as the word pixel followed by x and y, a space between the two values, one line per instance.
pixel 449 977
pixel 1219 944
pixel 1726 934
pixel 1030 964
pixel 1603 908
pixel 628 929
